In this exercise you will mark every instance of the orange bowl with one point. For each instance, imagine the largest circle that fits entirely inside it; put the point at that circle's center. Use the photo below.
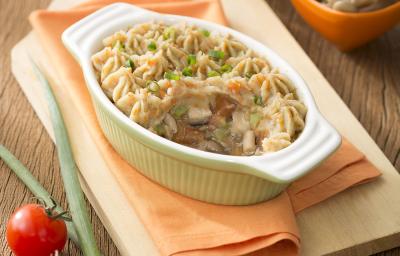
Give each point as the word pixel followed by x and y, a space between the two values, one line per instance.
pixel 347 30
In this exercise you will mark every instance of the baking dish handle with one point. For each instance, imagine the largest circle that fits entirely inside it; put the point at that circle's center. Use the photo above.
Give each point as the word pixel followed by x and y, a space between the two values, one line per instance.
pixel 314 145
pixel 79 37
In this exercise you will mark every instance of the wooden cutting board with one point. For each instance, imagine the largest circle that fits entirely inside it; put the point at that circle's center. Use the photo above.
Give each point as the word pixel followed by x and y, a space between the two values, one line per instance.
pixel 360 221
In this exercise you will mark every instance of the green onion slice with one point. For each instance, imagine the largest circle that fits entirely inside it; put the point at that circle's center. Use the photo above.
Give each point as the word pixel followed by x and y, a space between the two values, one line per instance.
pixel 179 111
pixel 169 33
pixel 160 129
pixel 226 68
pixel 152 46
pixel 255 119
pixel 191 59
pixel 258 100
pixel 129 64
pixel 153 86
pixel 187 71
pixel 212 73
pixel 216 54
pixel 120 46
pixel 171 76
pixel 205 32
pixel 248 75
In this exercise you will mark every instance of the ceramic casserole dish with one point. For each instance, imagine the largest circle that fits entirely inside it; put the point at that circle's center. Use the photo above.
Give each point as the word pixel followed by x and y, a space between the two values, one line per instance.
pixel 210 177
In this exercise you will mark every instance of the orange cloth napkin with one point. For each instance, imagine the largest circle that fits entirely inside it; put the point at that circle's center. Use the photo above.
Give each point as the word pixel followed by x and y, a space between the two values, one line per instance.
pixel 177 224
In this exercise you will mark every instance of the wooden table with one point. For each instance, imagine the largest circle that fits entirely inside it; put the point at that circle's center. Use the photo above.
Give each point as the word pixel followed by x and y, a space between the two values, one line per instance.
pixel 368 74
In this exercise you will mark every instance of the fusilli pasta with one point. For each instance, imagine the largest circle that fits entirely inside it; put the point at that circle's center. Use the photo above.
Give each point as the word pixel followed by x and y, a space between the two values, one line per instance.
pixel 199 88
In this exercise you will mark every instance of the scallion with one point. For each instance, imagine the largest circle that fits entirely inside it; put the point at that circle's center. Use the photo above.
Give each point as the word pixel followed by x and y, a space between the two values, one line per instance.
pixel 69 172
pixel 226 68
pixel 179 111
pixel 216 54
pixel 129 64
pixel 258 100
pixel 171 76
pixel 255 119
pixel 160 129
pixel 248 75
pixel 153 86
pixel 34 186
pixel 169 33
pixel 205 32
pixel 187 71
pixel 191 59
pixel 152 46
pixel 120 46
pixel 212 73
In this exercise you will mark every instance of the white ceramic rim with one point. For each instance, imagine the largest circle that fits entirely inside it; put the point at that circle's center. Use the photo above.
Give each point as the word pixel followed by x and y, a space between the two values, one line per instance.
pixel 317 141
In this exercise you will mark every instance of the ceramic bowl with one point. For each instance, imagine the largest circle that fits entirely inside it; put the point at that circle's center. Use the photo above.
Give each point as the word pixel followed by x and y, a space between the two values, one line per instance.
pixel 210 177
pixel 347 30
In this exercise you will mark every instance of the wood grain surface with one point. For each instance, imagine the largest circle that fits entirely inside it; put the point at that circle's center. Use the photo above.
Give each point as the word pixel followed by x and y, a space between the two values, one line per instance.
pixel 366 79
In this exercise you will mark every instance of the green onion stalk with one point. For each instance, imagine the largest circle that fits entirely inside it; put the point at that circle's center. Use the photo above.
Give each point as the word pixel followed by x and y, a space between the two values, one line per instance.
pixel 35 187
pixel 69 172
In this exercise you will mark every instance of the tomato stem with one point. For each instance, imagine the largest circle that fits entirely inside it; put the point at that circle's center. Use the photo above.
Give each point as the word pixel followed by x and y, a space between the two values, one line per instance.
pixel 61 215
pixel 51 211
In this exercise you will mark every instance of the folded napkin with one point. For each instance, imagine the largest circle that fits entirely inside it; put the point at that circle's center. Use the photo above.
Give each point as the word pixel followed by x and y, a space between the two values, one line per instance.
pixel 177 224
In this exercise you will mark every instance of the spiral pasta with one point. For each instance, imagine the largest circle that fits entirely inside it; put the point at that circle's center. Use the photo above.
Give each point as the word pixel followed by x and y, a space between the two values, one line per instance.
pixel 199 88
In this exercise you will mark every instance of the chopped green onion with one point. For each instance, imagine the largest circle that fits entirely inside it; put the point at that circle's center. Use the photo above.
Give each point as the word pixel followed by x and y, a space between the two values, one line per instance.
pixel 221 133
pixel 120 46
pixel 255 119
pixel 187 71
pixel 129 64
pixel 153 86
pixel 191 59
pixel 152 46
pixel 205 32
pixel 226 68
pixel 34 186
pixel 248 75
pixel 216 54
pixel 179 111
pixel 258 100
pixel 160 129
pixel 171 76
pixel 69 172
pixel 169 33
pixel 212 73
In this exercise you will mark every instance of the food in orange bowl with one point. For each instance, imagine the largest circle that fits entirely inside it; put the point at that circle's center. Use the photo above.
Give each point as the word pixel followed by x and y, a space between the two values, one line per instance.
pixel 347 30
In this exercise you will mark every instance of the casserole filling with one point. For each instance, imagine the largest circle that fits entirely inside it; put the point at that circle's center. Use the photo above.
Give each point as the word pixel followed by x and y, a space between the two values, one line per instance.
pixel 200 89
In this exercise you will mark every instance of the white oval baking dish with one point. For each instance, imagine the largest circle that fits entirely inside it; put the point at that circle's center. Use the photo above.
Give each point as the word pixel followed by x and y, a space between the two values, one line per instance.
pixel 210 177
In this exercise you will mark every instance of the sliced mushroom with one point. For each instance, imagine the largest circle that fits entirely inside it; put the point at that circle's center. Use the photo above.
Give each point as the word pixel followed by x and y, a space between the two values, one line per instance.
pixel 213 146
pixel 240 124
pixel 223 110
pixel 249 142
pixel 188 135
pixel 224 106
pixel 171 123
pixel 198 115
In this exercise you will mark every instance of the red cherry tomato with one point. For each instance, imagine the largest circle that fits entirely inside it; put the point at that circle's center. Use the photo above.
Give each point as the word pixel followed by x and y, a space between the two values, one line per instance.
pixel 31 231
